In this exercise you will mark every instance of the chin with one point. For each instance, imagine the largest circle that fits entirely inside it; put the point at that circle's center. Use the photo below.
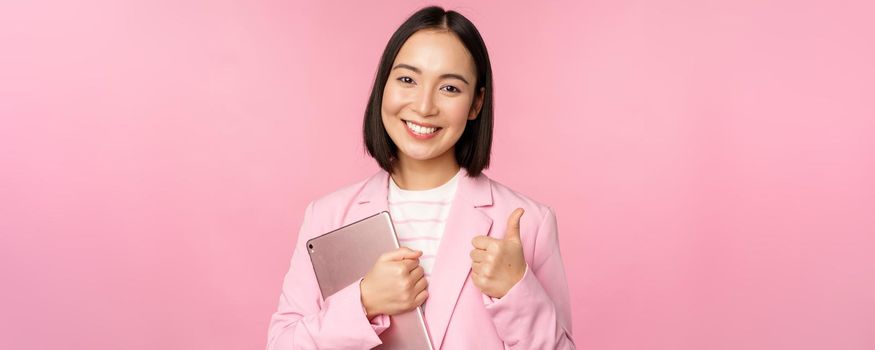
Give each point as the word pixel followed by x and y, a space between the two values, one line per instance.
pixel 423 155
pixel 419 156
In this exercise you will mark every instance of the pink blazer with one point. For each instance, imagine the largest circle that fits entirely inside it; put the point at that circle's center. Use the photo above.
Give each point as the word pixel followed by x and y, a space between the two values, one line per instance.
pixel 535 313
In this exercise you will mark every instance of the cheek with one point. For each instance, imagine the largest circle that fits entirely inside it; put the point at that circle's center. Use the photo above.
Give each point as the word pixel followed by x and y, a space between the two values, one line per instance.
pixel 457 111
pixel 393 100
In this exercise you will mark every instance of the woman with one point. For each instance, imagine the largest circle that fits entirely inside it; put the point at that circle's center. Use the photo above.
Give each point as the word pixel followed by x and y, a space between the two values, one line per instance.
pixel 485 260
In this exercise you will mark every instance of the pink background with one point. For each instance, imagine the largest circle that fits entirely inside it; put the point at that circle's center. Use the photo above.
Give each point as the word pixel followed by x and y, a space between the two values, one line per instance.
pixel 712 163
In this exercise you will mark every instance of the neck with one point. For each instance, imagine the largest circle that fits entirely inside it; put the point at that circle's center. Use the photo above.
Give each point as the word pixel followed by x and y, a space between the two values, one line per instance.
pixel 415 175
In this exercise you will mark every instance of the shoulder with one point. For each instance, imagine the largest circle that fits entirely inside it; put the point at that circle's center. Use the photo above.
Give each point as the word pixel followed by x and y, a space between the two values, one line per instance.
pixel 330 208
pixel 506 198
pixel 345 194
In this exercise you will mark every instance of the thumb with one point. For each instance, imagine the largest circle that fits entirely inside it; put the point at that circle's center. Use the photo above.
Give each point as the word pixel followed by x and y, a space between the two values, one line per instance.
pixel 513 225
pixel 402 253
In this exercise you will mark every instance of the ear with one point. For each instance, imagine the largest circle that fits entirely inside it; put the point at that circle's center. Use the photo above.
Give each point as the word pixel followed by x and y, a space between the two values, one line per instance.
pixel 477 104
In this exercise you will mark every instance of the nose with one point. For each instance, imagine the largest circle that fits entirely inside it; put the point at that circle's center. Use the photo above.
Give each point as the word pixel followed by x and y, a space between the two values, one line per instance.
pixel 424 104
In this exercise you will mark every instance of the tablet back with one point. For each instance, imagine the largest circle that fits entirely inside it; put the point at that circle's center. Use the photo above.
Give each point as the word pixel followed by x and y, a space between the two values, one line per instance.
pixel 342 256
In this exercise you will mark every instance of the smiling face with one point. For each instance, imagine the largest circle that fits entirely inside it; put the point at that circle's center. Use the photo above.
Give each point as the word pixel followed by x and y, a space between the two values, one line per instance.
pixel 430 95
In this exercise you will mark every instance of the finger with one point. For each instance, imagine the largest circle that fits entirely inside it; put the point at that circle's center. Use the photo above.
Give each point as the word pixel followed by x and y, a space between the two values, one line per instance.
pixel 409 264
pixel 476 268
pixel 410 253
pixel 482 242
pixel 478 255
pixel 401 253
pixel 513 225
pixel 478 281
pixel 417 273
pixel 421 284
pixel 421 297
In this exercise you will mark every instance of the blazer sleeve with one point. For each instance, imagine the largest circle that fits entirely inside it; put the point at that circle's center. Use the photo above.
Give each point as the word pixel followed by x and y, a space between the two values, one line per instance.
pixel 536 312
pixel 304 321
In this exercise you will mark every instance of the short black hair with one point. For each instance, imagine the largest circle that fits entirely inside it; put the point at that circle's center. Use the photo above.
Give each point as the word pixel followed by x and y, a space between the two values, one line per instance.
pixel 474 147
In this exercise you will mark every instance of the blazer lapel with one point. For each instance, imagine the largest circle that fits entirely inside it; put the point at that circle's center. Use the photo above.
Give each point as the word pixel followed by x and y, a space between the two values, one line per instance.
pixel 453 263
pixel 373 198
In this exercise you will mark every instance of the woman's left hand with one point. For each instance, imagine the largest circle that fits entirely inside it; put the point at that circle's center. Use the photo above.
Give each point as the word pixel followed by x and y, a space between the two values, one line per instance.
pixel 498 264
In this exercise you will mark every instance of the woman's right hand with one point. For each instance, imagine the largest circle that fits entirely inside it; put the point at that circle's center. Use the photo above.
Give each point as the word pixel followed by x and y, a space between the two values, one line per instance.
pixel 395 284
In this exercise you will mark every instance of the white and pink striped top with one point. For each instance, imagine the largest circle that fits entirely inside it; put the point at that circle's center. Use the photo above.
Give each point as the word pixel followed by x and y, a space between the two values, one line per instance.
pixel 420 216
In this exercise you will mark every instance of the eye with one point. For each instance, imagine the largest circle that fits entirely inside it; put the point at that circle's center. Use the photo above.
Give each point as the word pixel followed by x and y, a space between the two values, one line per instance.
pixel 405 80
pixel 450 88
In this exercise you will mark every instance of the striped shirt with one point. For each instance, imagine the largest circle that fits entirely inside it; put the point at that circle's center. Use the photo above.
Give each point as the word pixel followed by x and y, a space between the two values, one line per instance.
pixel 419 217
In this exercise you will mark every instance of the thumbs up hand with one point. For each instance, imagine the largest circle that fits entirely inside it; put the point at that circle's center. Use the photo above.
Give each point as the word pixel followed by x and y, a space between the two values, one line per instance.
pixel 498 264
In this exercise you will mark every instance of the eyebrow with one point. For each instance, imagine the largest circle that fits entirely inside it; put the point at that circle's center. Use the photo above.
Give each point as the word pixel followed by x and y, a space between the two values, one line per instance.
pixel 443 76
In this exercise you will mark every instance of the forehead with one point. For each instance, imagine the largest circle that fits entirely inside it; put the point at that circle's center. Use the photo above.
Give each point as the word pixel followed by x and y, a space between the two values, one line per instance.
pixel 437 51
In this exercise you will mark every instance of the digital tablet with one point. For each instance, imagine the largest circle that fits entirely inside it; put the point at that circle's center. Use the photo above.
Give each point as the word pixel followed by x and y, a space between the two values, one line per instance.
pixel 343 256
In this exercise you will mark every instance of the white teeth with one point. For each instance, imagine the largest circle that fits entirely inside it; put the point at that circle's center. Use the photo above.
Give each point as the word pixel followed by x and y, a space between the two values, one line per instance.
pixel 421 130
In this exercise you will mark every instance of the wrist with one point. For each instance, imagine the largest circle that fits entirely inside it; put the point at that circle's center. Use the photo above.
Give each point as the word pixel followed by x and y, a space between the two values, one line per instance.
pixel 369 313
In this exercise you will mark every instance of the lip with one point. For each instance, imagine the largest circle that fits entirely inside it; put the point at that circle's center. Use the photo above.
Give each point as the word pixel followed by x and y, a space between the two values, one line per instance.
pixel 427 125
pixel 418 136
